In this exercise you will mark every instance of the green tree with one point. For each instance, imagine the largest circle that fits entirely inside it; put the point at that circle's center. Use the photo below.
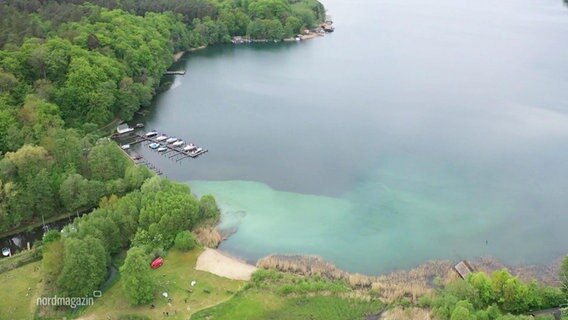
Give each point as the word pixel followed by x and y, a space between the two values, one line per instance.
pixel 136 175
pixel 293 26
pixel 483 290
pixel 462 312
pixel 53 255
pixel 185 241
pixel 84 266
pixel 564 275
pixel 101 227
pixel 74 192
pixel 28 161
pixel 7 192
pixel 106 162
pixel 208 208
pixel 138 281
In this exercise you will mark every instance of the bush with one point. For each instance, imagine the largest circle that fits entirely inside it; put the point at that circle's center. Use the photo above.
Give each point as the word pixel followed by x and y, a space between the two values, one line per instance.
pixel 185 241
pixel 51 236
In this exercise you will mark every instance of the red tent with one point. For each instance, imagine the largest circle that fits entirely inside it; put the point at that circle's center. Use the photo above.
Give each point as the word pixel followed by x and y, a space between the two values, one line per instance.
pixel 158 262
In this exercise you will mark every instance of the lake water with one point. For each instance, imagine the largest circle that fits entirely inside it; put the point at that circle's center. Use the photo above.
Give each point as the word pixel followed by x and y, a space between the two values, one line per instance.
pixel 418 130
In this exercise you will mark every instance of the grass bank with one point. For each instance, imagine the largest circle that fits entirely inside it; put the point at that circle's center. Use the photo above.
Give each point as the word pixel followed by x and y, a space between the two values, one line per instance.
pixel 174 277
pixel 16 301
pixel 281 296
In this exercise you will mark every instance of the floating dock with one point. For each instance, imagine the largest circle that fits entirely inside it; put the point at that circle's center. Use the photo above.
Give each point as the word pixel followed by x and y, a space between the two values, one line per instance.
pixel 175 73
pixel 176 153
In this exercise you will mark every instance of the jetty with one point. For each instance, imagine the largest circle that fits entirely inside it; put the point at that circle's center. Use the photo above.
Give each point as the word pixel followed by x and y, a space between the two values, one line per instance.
pixel 175 73
pixel 173 148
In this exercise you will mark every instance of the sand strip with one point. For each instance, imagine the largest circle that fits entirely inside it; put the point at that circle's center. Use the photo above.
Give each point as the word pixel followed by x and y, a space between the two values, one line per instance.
pixel 213 261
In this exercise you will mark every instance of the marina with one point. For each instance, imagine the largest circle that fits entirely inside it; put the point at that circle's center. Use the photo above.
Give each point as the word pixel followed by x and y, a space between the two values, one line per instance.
pixel 172 147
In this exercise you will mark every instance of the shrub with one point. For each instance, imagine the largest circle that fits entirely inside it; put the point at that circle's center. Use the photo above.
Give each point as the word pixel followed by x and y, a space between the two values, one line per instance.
pixel 185 241
pixel 51 236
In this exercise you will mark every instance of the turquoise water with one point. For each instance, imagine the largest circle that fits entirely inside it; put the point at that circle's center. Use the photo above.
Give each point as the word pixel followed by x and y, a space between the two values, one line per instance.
pixel 418 130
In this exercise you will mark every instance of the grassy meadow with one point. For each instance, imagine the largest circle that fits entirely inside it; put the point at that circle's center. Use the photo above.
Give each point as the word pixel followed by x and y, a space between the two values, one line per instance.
pixel 16 301
pixel 279 296
pixel 174 277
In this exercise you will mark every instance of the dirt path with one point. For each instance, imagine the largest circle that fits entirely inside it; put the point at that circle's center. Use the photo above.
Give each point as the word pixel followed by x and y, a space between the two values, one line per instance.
pixel 217 263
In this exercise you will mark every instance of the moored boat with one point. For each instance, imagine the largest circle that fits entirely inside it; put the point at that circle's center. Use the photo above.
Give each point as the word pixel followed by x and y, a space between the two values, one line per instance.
pixel 151 133
pixel 154 145
pixel 178 143
pixel 162 149
pixel 162 138
pixel 171 140
pixel 6 252
pixel 189 147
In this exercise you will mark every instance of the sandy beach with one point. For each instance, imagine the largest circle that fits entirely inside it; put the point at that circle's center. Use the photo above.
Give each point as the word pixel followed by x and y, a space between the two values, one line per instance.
pixel 213 261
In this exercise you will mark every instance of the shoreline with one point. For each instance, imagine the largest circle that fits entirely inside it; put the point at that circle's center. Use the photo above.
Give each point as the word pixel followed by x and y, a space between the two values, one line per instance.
pixel 546 273
pixel 178 55
pixel 224 265
pixel 410 283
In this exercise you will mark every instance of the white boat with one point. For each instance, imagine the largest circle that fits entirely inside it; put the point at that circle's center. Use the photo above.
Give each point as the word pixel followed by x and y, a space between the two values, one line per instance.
pixel 189 147
pixel 6 251
pixel 161 138
pixel 162 149
pixel 154 145
pixel 125 146
pixel 151 134
pixel 178 143
pixel 171 140
pixel 198 150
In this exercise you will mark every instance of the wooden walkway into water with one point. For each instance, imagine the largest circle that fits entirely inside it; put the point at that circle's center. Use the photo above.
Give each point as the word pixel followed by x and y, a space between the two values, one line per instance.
pixel 175 73
pixel 176 153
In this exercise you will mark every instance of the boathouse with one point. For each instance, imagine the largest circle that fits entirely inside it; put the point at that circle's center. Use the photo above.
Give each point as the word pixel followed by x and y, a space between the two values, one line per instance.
pixel 124 128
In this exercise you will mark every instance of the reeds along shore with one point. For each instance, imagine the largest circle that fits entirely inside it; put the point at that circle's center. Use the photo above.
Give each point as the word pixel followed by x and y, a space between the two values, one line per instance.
pixel 408 284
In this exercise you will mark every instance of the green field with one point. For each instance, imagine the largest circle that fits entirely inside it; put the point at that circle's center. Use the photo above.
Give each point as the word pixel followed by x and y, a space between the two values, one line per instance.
pixel 174 277
pixel 262 305
pixel 278 296
pixel 269 295
pixel 15 301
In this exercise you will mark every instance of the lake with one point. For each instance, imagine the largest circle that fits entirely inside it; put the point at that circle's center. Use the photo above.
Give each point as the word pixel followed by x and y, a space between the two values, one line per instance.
pixel 418 130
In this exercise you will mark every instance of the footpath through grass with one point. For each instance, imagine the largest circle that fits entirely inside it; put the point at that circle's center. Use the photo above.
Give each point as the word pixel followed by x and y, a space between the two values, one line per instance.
pixel 16 301
pixel 174 277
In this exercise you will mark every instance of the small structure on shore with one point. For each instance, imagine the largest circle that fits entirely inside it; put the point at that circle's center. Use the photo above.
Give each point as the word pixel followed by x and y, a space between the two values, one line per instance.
pixel 124 128
pixel 327 26
pixel 463 269
pixel 240 40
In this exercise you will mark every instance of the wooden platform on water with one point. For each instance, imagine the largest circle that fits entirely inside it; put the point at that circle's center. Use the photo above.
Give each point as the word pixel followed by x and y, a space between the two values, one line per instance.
pixel 175 73
pixel 172 152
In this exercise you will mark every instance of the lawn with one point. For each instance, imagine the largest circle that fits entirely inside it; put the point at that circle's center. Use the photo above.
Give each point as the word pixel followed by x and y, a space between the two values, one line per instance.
pixel 278 296
pixel 257 304
pixel 174 277
pixel 16 302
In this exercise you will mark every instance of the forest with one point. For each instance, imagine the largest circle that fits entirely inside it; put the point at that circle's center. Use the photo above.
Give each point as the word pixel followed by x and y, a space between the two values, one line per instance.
pixel 69 72
pixel 70 69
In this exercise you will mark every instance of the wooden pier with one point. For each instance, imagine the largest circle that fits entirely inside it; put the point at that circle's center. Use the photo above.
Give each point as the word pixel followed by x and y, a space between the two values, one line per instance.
pixel 176 153
pixel 175 73
pixel 138 159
